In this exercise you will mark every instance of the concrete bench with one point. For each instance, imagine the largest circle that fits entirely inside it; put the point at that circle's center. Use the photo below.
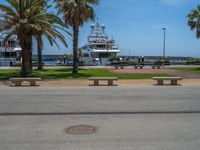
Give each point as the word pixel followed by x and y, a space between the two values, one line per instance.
pixel 156 66
pixel 18 81
pixel 109 79
pixel 139 66
pixel 160 80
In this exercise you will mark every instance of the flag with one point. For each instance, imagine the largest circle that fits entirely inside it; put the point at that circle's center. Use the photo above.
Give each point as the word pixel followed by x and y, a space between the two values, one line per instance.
pixel 6 46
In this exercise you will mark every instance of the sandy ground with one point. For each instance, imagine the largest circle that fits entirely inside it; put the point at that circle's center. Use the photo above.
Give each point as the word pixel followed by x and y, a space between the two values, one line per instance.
pixel 127 82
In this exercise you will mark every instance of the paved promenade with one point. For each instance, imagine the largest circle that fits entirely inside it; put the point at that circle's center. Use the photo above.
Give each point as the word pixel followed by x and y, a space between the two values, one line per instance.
pixel 125 118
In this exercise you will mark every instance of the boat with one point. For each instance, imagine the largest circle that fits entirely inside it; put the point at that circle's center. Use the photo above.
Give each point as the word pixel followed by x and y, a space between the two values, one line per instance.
pixel 10 51
pixel 99 47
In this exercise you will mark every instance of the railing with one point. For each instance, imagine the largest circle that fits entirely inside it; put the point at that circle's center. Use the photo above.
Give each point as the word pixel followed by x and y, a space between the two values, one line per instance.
pixel 7 61
pixel 2 49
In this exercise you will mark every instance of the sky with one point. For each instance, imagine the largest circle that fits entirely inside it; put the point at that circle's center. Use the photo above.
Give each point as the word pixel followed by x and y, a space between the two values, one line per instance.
pixel 136 25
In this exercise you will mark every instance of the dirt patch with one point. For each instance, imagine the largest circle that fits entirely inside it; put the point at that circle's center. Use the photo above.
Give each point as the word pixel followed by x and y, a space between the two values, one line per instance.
pixel 143 71
pixel 4 83
pixel 65 82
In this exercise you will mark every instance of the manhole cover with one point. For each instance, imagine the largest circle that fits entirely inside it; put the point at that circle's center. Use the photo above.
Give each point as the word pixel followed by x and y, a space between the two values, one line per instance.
pixel 81 129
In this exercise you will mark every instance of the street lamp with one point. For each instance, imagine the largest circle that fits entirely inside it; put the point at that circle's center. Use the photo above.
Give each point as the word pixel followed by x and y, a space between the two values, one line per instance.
pixel 164 46
pixel 164 42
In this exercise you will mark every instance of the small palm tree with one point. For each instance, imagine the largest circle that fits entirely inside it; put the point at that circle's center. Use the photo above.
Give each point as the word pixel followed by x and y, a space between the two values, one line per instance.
pixel 48 29
pixel 194 20
pixel 76 13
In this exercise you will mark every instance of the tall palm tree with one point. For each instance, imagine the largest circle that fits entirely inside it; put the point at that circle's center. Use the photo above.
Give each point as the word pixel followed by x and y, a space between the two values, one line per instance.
pixel 28 18
pixel 18 17
pixel 194 20
pixel 76 13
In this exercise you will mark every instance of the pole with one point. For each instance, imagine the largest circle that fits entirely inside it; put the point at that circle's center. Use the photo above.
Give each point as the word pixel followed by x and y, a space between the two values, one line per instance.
pixel 164 43
pixel 164 46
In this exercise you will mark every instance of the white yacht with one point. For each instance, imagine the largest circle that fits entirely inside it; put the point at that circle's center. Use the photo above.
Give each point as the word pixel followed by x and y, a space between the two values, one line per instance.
pixel 99 47
pixel 10 52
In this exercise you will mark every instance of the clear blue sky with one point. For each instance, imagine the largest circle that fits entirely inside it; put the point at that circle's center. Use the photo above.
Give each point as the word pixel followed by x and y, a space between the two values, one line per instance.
pixel 137 25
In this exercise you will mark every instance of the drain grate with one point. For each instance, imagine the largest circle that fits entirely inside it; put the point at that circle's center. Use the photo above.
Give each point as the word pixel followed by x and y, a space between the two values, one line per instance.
pixel 81 129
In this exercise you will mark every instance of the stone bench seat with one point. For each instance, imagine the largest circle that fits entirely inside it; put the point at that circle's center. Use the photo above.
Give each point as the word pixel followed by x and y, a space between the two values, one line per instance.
pixel 97 79
pixel 174 80
pixel 139 66
pixel 156 66
pixel 19 81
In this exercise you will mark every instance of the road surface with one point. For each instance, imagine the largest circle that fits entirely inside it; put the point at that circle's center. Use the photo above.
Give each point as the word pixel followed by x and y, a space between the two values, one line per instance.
pixel 125 118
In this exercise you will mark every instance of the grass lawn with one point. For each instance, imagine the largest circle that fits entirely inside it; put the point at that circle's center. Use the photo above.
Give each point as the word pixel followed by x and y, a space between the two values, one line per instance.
pixel 83 74
pixel 188 69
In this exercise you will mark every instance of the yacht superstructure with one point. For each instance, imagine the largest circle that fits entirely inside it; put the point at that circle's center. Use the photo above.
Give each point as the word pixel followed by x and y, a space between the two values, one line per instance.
pixel 99 47
pixel 10 51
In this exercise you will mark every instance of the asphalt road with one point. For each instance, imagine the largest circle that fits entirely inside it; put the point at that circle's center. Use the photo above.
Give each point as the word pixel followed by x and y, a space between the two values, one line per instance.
pixel 125 118
pixel 100 99
pixel 114 132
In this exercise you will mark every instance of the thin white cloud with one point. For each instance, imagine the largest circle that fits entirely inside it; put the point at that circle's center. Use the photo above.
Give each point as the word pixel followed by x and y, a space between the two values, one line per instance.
pixel 173 2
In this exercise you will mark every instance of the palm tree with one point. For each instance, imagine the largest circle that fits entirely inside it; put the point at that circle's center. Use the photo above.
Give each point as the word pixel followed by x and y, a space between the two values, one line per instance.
pixel 18 17
pixel 28 18
pixel 48 29
pixel 76 13
pixel 194 20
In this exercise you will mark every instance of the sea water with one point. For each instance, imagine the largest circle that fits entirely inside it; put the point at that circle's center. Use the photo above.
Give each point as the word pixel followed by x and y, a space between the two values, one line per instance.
pixel 49 63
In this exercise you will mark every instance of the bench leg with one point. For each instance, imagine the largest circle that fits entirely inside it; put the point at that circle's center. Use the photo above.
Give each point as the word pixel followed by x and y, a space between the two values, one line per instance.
pixel 136 67
pixel 116 67
pixel 153 67
pixel 160 82
pixel 110 82
pixel 96 82
pixel 122 67
pixel 32 83
pixel 174 82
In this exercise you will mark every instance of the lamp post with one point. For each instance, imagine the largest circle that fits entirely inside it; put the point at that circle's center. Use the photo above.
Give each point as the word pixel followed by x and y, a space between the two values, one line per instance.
pixel 164 42
pixel 164 46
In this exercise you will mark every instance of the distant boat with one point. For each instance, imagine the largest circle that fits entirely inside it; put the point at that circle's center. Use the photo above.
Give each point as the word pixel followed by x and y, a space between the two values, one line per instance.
pixel 99 47
pixel 59 62
pixel 10 52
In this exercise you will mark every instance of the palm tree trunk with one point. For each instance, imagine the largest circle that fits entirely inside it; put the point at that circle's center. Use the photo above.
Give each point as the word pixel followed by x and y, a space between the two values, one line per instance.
pixel 26 45
pixel 75 49
pixel 39 48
